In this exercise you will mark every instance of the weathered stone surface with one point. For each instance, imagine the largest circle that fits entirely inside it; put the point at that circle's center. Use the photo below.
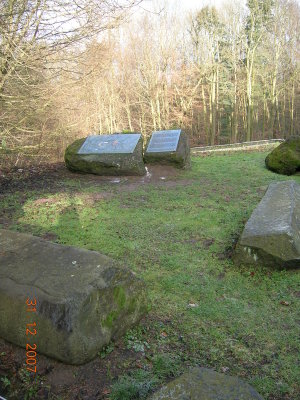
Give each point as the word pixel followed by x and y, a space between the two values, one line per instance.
pixel 179 157
pixel 106 163
pixel 206 384
pixel 272 235
pixel 285 159
pixel 84 299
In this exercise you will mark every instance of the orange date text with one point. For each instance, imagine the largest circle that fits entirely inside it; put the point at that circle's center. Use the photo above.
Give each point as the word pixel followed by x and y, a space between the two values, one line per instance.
pixel 31 331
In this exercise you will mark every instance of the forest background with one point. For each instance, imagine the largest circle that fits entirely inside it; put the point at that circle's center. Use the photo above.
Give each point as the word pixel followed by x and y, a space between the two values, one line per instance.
pixel 69 69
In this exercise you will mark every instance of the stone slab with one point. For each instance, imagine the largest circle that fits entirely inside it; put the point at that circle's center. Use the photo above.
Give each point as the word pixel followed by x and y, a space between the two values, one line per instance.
pixel 169 147
pixel 112 155
pixel 84 299
pixel 202 383
pixel 272 235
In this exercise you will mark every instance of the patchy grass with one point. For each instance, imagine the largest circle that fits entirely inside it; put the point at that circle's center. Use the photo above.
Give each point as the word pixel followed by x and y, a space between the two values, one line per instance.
pixel 137 385
pixel 179 237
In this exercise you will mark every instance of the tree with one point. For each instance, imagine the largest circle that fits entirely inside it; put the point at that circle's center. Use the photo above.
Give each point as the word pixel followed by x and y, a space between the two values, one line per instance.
pixel 38 41
pixel 258 21
pixel 206 23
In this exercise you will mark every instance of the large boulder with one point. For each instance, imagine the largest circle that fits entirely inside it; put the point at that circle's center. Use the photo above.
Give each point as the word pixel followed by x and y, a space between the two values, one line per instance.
pixel 117 154
pixel 168 148
pixel 206 384
pixel 272 235
pixel 83 299
pixel 285 159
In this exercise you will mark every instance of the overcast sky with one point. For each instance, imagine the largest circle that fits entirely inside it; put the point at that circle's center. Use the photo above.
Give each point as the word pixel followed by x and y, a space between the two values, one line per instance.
pixel 185 4
pixel 181 5
pixel 191 4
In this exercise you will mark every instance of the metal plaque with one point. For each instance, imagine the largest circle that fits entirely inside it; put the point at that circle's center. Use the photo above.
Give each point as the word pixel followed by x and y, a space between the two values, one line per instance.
pixel 107 144
pixel 164 141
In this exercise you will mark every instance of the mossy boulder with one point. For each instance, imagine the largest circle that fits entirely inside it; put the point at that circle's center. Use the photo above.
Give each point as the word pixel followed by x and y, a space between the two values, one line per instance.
pixel 285 159
pixel 157 151
pixel 83 298
pixel 206 384
pixel 109 162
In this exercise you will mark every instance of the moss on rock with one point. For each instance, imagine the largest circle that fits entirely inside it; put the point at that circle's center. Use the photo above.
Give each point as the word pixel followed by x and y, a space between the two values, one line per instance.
pixel 285 159
pixel 83 299
pixel 206 384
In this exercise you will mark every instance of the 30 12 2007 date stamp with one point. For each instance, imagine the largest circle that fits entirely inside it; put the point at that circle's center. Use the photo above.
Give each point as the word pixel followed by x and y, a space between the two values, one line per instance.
pixel 31 330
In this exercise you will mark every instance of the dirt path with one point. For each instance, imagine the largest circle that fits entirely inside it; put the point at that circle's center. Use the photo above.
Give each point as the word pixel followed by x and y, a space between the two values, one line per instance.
pixel 49 176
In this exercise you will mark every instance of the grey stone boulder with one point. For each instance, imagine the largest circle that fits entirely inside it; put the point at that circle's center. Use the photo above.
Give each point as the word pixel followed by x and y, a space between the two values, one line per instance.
pixel 285 159
pixel 206 384
pixel 168 148
pixel 83 299
pixel 271 236
pixel 117 154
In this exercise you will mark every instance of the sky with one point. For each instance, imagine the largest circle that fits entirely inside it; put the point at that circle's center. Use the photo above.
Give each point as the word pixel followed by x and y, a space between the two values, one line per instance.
pixel 191 4
pixel 185 5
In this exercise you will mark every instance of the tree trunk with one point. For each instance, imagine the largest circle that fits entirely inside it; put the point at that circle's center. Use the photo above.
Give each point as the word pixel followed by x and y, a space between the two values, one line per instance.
pixel 213 110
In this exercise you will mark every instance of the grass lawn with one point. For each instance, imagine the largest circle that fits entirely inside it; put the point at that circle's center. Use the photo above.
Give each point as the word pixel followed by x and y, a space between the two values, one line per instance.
pixel 178 235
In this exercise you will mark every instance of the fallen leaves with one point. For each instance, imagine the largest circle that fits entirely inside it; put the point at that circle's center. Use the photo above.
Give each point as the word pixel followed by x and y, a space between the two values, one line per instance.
pixel 285 303
pixel 193 305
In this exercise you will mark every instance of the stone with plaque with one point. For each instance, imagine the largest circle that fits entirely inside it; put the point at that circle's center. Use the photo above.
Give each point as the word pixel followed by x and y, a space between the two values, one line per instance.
pixel 168 147
pixel 117 154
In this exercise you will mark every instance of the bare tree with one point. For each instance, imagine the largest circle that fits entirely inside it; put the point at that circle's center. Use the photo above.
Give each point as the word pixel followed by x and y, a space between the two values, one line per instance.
pixel 38 42
pixel 69 69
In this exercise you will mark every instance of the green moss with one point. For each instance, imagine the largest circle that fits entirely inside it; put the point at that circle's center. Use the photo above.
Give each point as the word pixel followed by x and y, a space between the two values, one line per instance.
pixel 119 296
pixel 285 159
pixel 70 150
pixel 132 304
pixel 110 318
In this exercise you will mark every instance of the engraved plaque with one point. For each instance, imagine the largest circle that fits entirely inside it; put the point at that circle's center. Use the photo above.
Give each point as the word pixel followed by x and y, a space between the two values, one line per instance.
pixel 164 141
pixel 107 144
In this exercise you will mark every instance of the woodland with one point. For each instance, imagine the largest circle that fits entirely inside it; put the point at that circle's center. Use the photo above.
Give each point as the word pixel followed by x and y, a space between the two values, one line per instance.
pixel 68 69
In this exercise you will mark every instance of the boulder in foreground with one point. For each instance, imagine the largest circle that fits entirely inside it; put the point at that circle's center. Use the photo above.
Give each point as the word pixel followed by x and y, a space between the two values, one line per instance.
pixel 272 235
pixel 168 148
pixel 83 299
pixel 206 384
pixel 117 154
pixel 285 159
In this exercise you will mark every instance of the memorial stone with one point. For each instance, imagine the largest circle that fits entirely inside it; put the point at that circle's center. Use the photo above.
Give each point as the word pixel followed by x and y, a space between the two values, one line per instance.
pixel 117 154
pixel 168 148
